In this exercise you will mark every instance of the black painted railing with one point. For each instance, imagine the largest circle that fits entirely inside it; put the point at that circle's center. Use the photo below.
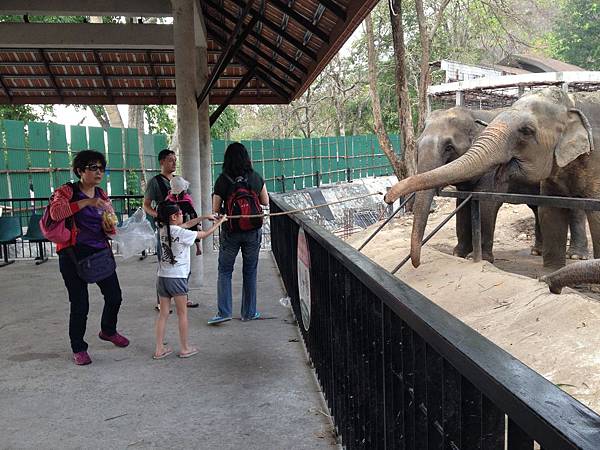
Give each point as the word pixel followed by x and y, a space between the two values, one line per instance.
pixel 399 372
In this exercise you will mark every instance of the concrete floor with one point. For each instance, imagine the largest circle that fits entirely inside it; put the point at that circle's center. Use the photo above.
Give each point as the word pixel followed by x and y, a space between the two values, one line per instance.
pixel 250 387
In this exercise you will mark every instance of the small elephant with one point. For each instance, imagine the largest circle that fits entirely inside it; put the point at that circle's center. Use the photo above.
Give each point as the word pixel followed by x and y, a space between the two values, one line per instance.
pixel 547 136
pixel 447 135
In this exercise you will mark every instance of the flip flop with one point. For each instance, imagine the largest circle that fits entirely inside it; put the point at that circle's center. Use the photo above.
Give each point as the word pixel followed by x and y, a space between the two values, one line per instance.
pixel 188 354
pixel 164 354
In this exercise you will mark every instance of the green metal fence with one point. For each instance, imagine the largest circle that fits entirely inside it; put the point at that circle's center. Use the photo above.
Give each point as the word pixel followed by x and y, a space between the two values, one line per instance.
pixel 288 164
pixel 37 156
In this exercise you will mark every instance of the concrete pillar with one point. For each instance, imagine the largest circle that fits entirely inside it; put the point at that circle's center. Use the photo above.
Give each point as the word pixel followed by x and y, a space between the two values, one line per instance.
pixel 205 141
pixel 187 112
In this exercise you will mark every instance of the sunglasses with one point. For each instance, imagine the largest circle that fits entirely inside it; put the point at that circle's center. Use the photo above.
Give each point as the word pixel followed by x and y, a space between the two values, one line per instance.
pixel 94 168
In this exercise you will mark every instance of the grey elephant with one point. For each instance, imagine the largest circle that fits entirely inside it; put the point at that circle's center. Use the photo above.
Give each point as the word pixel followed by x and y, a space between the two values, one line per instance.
pixel 447 135
pixel 546 136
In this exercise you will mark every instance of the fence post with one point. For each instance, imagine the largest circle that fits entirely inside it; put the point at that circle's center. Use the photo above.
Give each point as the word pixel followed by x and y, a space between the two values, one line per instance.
pixel 348 175
pixel 476 229
pixel 282 179
pixel 317 178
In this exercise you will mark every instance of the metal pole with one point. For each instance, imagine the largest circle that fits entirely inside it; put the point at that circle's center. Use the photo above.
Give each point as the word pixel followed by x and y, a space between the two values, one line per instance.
pixel 386 221
pixel 430 235
pixel 187 110
pixel 476 230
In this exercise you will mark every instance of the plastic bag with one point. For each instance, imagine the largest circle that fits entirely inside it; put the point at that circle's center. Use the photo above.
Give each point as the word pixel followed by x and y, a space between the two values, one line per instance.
pixel 135 235
pixel 286 302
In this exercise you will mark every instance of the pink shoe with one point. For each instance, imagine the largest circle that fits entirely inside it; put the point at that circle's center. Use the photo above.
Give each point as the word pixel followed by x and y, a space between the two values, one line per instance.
pixel 82 358
pixel 117 339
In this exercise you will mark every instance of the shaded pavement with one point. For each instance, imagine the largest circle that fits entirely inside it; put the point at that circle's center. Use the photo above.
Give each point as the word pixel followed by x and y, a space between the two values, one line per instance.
pixel 250 387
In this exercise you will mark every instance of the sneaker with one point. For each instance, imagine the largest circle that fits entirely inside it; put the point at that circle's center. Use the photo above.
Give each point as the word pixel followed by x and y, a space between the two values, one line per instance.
pixel 117 339
pixel 82 358
pixel 218 319
pixel 256 316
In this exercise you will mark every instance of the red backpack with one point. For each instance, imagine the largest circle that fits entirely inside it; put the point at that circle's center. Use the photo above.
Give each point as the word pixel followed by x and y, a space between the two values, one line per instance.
pixel 57 232
pixel 243 201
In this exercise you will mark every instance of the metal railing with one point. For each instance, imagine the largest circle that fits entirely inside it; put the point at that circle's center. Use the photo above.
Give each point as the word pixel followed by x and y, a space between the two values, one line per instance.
pixel 124 206
pixel 399 372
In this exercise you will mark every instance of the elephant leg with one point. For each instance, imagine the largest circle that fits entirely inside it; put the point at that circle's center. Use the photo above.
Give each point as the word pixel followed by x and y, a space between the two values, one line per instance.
pixel 578 245
pixel 536 250
pixel 489 213
pixel 554 222
pixel 594 223
pixel 463 231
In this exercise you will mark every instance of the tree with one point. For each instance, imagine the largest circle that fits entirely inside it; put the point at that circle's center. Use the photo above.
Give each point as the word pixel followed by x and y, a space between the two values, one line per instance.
pixel 576 37
pixel 382 136
pixel 225 124
pixel 409 159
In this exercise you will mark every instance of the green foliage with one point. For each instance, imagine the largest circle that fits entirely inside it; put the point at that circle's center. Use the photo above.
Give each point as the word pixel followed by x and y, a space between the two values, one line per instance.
pixel 576 36
pixel 26 113
pixel 159 120
pixel 227 122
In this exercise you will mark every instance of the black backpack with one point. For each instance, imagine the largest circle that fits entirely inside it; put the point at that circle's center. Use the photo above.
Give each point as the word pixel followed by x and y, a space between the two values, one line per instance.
pixel 243 201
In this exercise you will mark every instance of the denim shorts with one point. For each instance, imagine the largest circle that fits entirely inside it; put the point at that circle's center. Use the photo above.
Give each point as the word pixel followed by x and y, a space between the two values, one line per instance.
pixel 171 287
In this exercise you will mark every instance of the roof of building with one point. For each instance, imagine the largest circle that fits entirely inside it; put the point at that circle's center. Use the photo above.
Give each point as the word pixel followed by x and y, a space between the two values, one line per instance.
pixel 272 54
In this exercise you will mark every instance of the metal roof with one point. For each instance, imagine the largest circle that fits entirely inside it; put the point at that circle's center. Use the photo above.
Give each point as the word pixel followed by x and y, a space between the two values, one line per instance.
pixel 271 55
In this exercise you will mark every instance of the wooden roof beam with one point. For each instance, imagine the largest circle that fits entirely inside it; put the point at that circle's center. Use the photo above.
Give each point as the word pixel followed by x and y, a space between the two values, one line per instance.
pixel 86 36
pixel 262 39
pixel 144 8
pixel 334 8
pixel 241 85
pixel 235 42
pixel 278 30
pixel 261 72
pixel 260 53
pixel 303 21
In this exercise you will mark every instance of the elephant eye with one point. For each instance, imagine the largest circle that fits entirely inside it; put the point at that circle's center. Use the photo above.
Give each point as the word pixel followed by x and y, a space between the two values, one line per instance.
pixel 527 131
pixel 449 148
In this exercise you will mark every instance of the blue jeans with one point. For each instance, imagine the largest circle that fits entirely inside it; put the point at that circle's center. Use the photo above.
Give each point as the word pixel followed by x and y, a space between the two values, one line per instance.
pixel 229 247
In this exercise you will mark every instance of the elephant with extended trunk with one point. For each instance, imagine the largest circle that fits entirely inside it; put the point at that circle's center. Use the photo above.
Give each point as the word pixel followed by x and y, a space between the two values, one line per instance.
pixel 547 136
pixel 447 135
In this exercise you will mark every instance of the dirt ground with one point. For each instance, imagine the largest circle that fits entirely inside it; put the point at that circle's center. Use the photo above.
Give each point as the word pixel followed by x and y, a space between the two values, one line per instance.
pixel 556 335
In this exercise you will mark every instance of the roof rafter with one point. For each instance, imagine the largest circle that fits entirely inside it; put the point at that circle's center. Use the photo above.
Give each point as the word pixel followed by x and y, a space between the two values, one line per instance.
pixel 259 52
pixel 243 82
pixel 265 76
pixel 262 39
pixel 278 30
pixel 303 21
pixel 50 74
pixel 235 42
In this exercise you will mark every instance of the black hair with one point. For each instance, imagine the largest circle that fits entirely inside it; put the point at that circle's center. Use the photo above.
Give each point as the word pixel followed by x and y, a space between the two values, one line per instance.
pixel 236 161
pixel 164 153
pixel 86 157
pixel 164 211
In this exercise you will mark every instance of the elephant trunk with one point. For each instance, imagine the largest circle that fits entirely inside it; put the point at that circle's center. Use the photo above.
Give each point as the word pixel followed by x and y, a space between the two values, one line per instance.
pixel 576 273
pixel 421 209
pixel 489 150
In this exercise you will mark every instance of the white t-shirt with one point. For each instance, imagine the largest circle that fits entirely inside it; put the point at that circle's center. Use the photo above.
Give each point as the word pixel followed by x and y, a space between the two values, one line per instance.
pixel 181 241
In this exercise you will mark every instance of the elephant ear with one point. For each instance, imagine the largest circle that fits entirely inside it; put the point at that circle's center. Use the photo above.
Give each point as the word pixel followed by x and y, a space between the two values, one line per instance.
pixel 575 140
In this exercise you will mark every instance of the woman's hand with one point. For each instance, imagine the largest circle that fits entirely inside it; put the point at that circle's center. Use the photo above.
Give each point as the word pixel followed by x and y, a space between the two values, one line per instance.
pixel 222 219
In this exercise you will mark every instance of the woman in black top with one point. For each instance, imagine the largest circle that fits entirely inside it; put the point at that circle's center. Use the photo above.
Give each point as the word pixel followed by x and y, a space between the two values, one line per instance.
pixel 237 175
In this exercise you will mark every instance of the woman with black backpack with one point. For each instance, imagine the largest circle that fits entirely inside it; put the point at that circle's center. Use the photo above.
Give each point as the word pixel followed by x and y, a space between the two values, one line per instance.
pixel 239 190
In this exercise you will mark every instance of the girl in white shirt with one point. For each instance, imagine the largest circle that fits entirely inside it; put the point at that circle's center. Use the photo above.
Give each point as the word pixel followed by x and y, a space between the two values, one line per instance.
pixel 173 272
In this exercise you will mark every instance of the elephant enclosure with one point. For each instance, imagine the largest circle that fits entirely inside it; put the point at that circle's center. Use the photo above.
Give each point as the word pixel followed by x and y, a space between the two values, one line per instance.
pixel 556 335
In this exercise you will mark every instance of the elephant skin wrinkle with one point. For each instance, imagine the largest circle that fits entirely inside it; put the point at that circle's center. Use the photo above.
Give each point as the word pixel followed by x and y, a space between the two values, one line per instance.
pixel 556 335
